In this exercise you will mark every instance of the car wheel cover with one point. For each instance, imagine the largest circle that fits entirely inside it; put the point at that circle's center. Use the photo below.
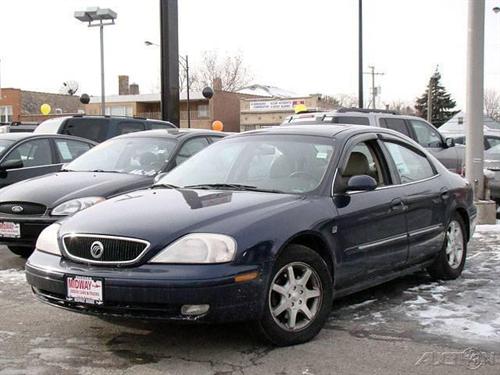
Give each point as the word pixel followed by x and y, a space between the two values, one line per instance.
pixel 454 244
pixel 295 296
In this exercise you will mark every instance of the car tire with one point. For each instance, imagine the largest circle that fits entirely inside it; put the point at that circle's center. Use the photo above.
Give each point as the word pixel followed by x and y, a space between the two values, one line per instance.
pixel 450 261
pixel 308 298
pixel 23 252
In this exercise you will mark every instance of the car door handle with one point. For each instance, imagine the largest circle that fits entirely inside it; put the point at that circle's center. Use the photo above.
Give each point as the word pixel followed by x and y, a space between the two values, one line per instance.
pixel 397 204
pixel 444 194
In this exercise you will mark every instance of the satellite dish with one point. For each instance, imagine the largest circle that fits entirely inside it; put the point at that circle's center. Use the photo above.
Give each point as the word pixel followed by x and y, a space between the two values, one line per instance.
pixel 69 88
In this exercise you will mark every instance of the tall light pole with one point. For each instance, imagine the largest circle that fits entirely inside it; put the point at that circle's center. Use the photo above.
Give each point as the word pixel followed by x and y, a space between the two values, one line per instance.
pixel 360 54
pixel 184 62
pixel 97 17
pixel 474 150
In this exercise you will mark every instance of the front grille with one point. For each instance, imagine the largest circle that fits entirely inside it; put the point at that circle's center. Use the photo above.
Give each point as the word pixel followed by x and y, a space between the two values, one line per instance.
pixel 114 249
pixel 22 208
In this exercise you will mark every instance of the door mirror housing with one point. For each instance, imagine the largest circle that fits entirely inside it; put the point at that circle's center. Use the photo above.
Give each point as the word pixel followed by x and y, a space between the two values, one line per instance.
pixel 11 164
pixel 361 183
pixel 449 142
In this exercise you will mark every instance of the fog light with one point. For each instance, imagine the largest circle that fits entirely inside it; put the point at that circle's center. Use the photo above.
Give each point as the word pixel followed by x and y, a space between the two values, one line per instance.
pixel 193 310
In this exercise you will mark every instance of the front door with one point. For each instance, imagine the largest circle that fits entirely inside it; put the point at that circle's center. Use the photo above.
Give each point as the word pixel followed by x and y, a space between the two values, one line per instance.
pixel 371 225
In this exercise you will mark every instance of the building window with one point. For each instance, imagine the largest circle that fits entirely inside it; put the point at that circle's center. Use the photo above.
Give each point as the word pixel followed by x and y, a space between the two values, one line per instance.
pixel 6 113
pixel 202 110
pixel 119 110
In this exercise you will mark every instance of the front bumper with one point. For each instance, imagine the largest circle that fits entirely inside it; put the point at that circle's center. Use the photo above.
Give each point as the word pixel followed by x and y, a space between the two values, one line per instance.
pixel 31 227
pixel 153 291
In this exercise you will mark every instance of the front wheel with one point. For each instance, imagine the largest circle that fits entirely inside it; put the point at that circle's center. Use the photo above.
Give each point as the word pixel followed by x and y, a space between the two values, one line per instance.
pixel 23 252
pixel 451 260
pixel 299 297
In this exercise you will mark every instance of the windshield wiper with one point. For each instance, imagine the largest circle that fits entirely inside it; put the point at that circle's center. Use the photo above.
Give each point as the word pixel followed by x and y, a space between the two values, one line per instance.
pixel 232 187
pixel 164 186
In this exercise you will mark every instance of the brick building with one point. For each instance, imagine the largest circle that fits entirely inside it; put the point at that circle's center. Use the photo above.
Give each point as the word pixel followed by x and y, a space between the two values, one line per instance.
pixel 23 105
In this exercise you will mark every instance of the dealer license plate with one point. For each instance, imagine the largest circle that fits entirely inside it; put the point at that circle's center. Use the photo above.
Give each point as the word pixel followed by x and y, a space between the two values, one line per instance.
pixel 10 230
pixel 84 289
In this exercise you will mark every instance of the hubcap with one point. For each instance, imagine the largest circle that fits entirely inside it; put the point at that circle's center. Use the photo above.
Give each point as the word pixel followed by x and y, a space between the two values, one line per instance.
pixel 295 296
pixel 455 244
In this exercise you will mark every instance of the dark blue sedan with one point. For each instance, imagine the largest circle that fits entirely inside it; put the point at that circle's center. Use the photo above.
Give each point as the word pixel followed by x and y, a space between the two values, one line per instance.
pixel 267 226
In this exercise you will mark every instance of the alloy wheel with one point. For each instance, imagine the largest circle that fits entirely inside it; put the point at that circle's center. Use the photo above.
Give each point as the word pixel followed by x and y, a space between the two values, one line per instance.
pixel 455 244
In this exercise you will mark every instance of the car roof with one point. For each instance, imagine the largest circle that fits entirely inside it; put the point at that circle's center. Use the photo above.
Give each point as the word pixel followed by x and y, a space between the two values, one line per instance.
pixel 26 135
pixel 174 133
pixel 326 130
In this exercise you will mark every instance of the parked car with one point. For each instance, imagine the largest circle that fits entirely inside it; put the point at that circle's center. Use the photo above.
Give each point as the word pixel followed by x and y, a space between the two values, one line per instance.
pixel 27 155
pixel 18 127
pixel 267 226
pixel 119 165
pixel 414 127
pixel 99 128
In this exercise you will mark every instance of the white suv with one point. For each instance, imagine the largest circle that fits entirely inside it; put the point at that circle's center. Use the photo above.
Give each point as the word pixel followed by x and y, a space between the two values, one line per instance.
pixel 414 127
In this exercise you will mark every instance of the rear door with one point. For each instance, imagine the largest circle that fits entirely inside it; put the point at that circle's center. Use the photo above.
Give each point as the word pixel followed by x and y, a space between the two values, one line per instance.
pixel 371 225
pixel 425 196
pixel 67 150
pixel 36 157
pixel 426 136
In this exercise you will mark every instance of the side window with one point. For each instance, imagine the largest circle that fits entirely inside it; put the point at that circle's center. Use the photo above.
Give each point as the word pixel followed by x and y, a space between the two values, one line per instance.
pixel 190 148
pixel 364 160
pixel 426 136
pixel 125 127
pixel 396 124
pixel 411 166
pixel 93 129
pixel 69 150
pixel 492 142
pixel 355 120
pixel 32 153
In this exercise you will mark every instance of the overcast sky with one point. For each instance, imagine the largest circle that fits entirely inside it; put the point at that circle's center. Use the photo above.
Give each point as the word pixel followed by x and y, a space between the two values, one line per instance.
pixel 303 46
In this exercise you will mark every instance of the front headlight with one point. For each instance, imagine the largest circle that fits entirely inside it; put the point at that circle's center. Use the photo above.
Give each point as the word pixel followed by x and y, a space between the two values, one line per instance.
pixel 75 205
pixel 47 240
pixel 198 248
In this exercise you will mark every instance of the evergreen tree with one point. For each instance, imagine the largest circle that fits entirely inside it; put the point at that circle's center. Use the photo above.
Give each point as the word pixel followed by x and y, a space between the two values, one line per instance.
pixel 442 103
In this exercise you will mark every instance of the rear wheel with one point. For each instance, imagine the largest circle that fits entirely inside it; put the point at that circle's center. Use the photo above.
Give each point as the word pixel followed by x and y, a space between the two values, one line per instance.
pixel 23 252
pixel 299 297
pixel 451 260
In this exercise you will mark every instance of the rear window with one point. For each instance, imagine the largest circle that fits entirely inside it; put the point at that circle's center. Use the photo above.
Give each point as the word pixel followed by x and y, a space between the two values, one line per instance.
pixel 354 120
pixel 94 129
pixel 396 124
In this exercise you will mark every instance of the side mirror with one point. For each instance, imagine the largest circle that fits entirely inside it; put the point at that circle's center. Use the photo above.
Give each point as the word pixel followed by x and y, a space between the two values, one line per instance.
pixel 11 164
pixel 449 142
pixel 361 182
pixel 159 176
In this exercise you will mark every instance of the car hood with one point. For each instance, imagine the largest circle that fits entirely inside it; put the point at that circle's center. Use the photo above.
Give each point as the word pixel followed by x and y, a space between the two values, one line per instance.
pixel 53 189
pixel 162 215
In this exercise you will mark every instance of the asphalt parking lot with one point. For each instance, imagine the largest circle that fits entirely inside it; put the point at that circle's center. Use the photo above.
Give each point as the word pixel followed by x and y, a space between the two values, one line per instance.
pixel 411 325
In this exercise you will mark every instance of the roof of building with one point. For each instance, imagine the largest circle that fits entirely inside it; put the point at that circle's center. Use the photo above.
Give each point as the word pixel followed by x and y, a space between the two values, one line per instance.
pixel 144 98
pixel 458 123
pixel 267 91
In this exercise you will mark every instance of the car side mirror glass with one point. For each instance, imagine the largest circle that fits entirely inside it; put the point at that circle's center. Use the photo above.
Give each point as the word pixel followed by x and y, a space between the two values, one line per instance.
pixel 361 183
pixel 11 164
pixel 449 142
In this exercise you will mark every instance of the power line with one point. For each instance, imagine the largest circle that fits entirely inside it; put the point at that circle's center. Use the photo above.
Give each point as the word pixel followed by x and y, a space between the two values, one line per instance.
pixel 375 90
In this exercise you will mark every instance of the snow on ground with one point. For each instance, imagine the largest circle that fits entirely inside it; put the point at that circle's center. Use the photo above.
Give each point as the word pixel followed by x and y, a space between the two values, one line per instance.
pixel 12 276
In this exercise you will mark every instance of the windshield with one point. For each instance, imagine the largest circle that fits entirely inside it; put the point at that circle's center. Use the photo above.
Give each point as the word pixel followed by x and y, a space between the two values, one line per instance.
pixel 278 163
pixel 144 156
pixel 4 144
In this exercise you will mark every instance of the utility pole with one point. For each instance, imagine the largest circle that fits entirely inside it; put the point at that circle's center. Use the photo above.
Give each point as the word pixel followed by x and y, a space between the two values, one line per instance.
pixel 169 61
pixel 474 148
pixel 374 92
pixel 360 54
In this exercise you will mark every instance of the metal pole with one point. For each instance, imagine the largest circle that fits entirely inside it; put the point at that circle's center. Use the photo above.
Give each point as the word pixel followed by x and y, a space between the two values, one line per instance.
pixel 103 97
pixel 187 87
pixel 429 100
pixel 474 149
pixel 360 55
pixel 169 61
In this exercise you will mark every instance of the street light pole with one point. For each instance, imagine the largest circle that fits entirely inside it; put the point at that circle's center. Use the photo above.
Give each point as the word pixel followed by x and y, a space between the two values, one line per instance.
pixel 95 17
pixel 103 94
pixel 474 148
pixel 360 54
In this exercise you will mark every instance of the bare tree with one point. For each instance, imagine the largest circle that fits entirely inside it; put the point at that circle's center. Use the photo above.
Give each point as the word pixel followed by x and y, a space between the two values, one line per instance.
pixel 193 79
pixel 401 107
pixel 346 100
pixel 230 69
pixel 492 104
